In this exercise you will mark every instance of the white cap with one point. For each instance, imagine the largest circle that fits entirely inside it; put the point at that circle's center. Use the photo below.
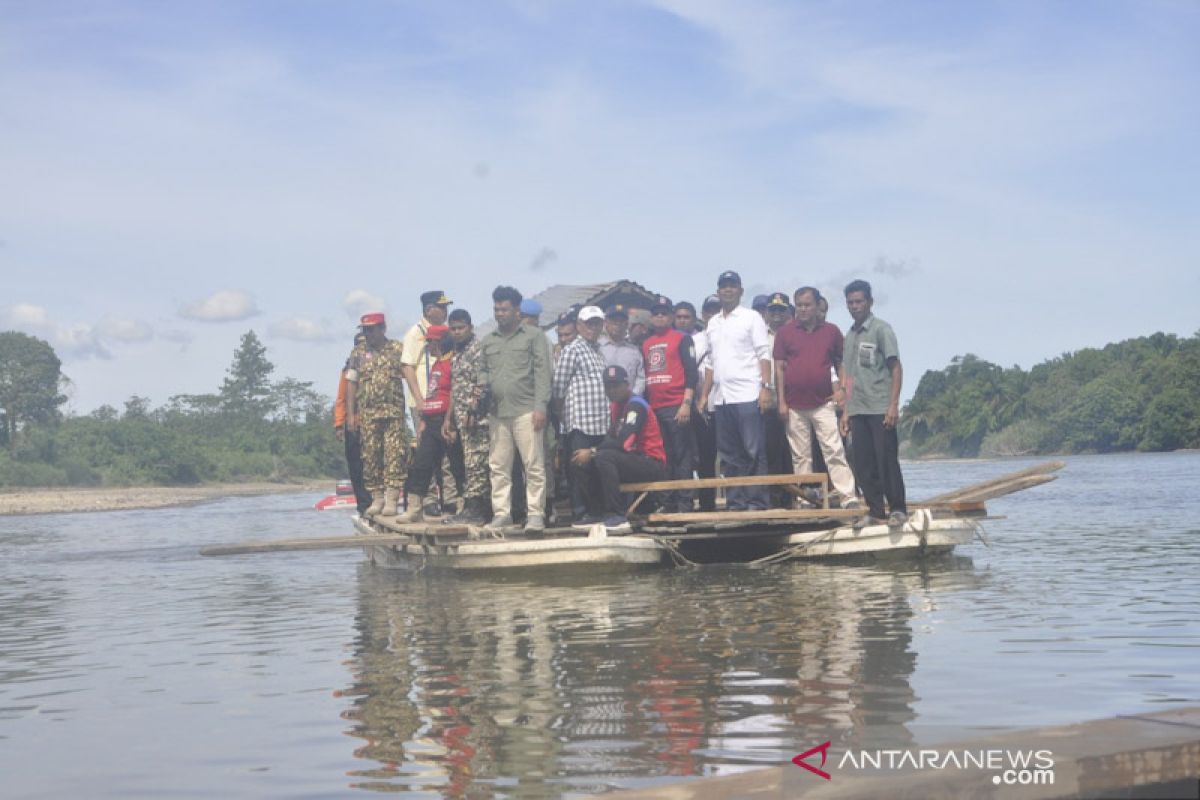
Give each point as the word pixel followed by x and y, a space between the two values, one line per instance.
pixel 590 312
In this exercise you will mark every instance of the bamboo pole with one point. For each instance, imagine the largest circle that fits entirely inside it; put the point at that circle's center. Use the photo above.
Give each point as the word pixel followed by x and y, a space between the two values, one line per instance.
pixel 970 492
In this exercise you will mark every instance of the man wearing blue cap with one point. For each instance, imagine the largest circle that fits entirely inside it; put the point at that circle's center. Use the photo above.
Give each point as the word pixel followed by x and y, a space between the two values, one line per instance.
pixel 531 312
pixel 738 382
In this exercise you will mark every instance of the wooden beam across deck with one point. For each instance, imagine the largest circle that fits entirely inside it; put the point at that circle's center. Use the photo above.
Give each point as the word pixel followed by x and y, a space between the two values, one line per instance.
pixel 965 508
pixel 716 483
pixel 791 481
pixel 764 514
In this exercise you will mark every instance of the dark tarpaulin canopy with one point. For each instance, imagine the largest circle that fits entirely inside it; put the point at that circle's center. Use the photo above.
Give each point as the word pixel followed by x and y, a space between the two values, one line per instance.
pixel 557 299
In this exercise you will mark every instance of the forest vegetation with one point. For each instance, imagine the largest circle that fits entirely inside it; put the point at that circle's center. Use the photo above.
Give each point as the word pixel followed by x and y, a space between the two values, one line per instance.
pixel 1138 394
pixel 252 428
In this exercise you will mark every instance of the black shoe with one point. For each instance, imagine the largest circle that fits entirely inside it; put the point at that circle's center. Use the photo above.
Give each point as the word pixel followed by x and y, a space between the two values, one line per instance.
pixel 587 521
pixel 471 514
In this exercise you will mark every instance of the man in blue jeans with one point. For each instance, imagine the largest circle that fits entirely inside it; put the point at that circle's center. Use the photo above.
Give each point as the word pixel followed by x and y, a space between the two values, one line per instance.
pixel 738 379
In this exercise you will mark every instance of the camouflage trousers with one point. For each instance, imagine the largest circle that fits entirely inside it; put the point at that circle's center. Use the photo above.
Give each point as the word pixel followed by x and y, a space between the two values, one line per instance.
pixel 385 453
pixel 475 448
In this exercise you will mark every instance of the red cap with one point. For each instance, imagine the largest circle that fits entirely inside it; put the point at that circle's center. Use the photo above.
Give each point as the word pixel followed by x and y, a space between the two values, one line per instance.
pixel 436 332
pixel 374 318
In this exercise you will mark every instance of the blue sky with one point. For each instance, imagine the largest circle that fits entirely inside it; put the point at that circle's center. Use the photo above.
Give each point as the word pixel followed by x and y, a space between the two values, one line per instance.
pixel 1017 179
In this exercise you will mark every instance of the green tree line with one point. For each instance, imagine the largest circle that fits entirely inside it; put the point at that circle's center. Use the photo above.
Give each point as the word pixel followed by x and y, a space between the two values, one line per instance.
pixel 1138 394
pixel 250 428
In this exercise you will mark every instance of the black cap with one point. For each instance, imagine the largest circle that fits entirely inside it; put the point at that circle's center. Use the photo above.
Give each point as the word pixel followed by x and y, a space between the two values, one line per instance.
pixel 615 374
pixel 435 298
pixel 662 305
pixel 617 310
pixel 568 317
pixel 779 300
pixel 712 301
pixel 760 302
pixel 729 277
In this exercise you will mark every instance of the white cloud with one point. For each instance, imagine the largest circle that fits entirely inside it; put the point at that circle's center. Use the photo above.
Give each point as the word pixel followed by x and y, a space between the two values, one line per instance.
pixel 226 305
pixel 25 316
pixel 301 330
pixel 76 340
pixel 125 330
pixel 359 301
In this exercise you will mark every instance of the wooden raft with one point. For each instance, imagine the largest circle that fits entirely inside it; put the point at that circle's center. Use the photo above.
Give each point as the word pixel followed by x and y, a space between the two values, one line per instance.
pixel 968 501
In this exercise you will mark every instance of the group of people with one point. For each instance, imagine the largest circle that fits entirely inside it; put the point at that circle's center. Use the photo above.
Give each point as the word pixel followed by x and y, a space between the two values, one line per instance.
pixel 508 422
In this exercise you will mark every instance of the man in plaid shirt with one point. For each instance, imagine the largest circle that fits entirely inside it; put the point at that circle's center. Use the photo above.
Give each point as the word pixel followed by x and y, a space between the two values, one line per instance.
pixel 578 387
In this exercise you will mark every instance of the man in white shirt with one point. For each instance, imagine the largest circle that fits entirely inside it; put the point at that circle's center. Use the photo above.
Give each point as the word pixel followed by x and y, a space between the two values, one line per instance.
pixel 737 379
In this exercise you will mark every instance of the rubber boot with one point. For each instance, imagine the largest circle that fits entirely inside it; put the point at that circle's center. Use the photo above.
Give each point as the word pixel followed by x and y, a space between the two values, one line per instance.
pixel 376 503
pixel 390 498
pixel 415 512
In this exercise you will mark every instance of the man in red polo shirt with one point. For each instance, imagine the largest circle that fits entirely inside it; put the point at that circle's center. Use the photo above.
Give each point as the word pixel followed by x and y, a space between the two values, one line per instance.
pixel 806 354
pixel 632 452
pixel 671 377
pixel 432 446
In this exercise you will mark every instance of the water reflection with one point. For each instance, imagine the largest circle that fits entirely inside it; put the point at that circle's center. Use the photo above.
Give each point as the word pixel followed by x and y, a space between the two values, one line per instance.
pixel 468 686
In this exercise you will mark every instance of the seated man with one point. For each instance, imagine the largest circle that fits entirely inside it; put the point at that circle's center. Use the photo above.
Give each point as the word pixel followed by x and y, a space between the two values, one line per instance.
pixel 631 452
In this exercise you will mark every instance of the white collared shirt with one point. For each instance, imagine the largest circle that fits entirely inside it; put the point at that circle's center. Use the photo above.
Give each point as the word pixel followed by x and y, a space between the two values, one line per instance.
pixel 738 345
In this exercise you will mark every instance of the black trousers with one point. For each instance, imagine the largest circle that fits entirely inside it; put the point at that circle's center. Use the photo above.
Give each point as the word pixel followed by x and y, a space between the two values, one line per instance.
pixel 679 441
pixel 779 457
pixel 706 455
pixel 353 442
pixel 427 462
pixel 578 477
pixel 609 469
pixel 877 463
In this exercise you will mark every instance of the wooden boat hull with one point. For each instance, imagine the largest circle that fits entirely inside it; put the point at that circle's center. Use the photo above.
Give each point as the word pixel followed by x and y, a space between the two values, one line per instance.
pixel 591 551
pixel 923 534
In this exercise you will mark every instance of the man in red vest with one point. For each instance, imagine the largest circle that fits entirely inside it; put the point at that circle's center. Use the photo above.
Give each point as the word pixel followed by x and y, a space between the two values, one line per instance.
pixel 671 377
pixel 432 446
pixel 632 452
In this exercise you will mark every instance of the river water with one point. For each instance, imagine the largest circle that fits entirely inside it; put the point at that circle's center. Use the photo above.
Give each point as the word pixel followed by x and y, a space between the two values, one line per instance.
pixel 131 666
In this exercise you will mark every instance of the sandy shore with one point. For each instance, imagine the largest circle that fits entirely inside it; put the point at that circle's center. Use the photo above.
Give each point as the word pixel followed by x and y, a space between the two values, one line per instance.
pixel 53 501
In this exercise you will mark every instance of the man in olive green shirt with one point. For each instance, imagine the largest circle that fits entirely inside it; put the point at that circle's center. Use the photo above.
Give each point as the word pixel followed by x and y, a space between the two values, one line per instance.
pixel 516 365
pixel 871 359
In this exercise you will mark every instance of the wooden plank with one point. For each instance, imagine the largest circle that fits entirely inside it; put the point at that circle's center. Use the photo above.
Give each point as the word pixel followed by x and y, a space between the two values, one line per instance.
pixel 426 528
pixel 716 483
pixel 1016 485
pixel 955 506
pixel 281 545
pixel 766 514
pixel 968 492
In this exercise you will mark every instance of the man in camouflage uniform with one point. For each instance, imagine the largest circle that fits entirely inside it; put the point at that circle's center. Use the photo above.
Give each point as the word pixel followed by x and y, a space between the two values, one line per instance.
pixel 375 406
pixel 468 420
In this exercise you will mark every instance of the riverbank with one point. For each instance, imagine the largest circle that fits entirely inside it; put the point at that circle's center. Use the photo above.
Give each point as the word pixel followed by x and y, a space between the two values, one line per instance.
pixel 118 498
